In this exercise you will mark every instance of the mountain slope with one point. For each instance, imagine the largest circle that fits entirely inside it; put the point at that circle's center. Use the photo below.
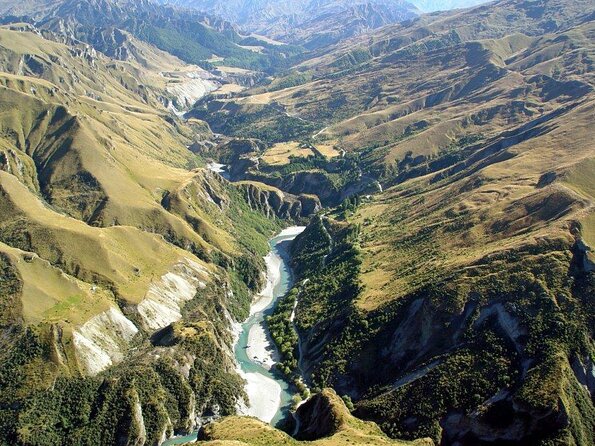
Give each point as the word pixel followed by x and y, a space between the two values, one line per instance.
pixel 98 255
pixel 444 5
pixel 456 303
pixel 409 92
pixel 328 413
pixel 446 291
pixel 310 23
pixel 191 36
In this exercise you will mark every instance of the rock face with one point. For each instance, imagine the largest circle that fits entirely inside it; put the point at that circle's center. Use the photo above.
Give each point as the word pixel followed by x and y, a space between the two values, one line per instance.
pixel 320 416
pixel 102 341
pixel 584 370
pixel 188 88
pixel 138 423
pixel 164 299
pixel 314 182
pixel 584 256
pixel 313 23
pixel 274 202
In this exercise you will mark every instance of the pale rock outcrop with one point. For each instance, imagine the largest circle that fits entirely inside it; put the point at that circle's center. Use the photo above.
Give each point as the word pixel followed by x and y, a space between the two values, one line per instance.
pixel 164 300
pixel 191 87
pixel 586 256
pixel 102 340
pixel 506 321
pixel 137 416
pixel 584 371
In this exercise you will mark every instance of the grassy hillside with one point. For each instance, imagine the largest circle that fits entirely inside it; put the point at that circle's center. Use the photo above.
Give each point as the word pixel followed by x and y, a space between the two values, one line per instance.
pixel 113 253
pixel 455 304
pixel 447 294
pixel 416 93
pixel 326 406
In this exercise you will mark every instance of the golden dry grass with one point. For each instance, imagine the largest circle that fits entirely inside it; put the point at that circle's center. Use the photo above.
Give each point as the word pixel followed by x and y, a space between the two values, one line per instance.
pixel 414 237
pixel 281 153
pixel 123 256
pixel 232 431
pixel 327 149
pixel 118 158
pixel 229 89
pixel 50 295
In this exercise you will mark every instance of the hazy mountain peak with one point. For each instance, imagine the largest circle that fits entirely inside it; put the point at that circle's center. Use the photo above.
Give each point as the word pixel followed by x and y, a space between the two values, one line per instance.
pixel 444 5
pixel 311 23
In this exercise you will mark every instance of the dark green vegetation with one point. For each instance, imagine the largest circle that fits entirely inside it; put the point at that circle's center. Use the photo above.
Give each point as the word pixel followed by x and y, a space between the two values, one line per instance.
pixel 468 315
pixel 284 334
pixel 144 398
pixel 448 293
pixel 101 230
pixel 331 180
pixel 326 267
pixel 267 122
pixel 490 330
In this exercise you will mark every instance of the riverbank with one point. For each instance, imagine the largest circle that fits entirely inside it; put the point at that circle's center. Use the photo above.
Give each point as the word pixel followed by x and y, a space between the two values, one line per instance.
pixel 268 393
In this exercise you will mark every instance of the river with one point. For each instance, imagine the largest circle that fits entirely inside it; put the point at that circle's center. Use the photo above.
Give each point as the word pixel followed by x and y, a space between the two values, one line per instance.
pixel 255 353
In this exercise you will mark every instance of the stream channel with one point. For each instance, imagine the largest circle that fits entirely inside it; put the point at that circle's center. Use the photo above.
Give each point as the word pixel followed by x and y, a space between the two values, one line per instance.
pixel 255 353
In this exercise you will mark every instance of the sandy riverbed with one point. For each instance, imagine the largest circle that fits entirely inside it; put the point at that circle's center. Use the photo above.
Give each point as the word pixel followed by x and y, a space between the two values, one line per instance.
pixel 264 392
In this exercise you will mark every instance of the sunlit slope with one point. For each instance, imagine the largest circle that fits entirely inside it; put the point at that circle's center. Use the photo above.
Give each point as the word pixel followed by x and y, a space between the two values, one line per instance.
pixel 122 264
pixel 458 303
pixel 92 167
pixel 89 143
pixel 113 256
pixel 534 192
pixel 328 423
pixel 413 93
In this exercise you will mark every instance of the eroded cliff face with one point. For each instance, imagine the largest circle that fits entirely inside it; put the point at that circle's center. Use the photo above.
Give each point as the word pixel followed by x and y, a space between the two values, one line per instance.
pixel 162 305
pixel 103 341
pixel 313 182
pixel 133 382
pixel 276 203
pixel 85 310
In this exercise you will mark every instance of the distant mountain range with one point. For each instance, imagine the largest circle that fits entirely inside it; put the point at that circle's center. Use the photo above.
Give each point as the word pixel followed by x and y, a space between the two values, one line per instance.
pixel 442 288
pixel 193 36
pixel 312 23
pixel 445 5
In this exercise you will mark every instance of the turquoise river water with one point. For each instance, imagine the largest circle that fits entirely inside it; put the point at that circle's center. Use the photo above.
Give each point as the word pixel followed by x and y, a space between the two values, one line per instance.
pixel 279 272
